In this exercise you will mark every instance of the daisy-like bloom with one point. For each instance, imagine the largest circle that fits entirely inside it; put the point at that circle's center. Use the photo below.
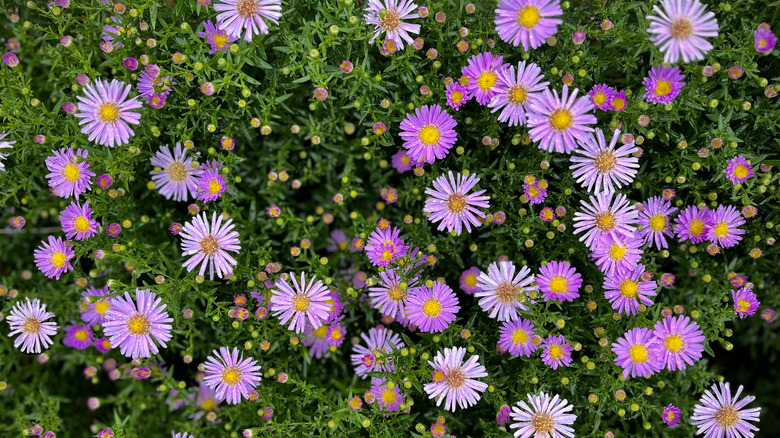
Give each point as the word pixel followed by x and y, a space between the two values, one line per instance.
pixel 151 82
pixel 457 95
pixel 680 342
pixel 483 70
pixel 636 353
pixel 316 340
pixel 77 221
pixel 134 326
pixel 338 241
pixel 718 414
pixel 209 182
pixel 527 22
pixel 600 95
pixel 745 302
pixel 617 252
pixel 626 290
pixel 556 351
pixel 96 303
pixel 693 223
pixel 452 205
pixel 679 29
pixel 388 399
pixel 534 190
pixel 216 37
pixel 602 168
pixel 28 320
pixel 723 230
pixel 335 335
pixel 5 144
pixel 607 214
pixel 763 39
pixel 654 219
pixel 558 281
pixel 516 337
pixel 617 102
pixel 454 381
pixel 387 16
pixel 401 161
pixel 389 296
pixel 247 17
pixel 208 244
pixel 503 292
pixel 69 172
pixel 738 170
pixel 79 337
pixel 174 174
pixel 384 246
pixel 663 84
pixel 428 134
pixel 543 417
pixel 231 375
pixel 379 343
pixel 106 112
pixel 468 280
pixel 432 309
pixel 514 92
pixel 303 302
pixel 53 257
pixel 557 122
pixel 671 415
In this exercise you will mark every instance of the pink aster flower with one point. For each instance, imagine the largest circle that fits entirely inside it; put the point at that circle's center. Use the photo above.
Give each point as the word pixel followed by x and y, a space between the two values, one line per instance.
pixel 247 17
pixel 655 222
pixel 384 246
pixel 663 84
pixel 679 29
pixel 557 122
pixel 53 257
pixel 452 205
pixel 432 309
pixel 718 414
pixel 389 296
pixel 604 168
pixel 517 337
pixel 745 302
pixel 607 213
pixel 680 342
pixel 764 39
pixel 636 353
pixel 230 375
pixel 209 244
pixel 134 326
pixel 96 302
pixel 455 381
pixel 303 302
pixel 151 82
pixel 429 134
pixel 79 337
pixel 738 170
pixel 106 112
pixel 543 416
pixel 515 92
pixel 77 221
pixel 483 71
pixel 600 96
pixel 723 230
pixel 69 172
pixel 216 37
pixel 626 290
pixel 387 16
pixel 28 321
pixel 379 343
pixel 693 223
pixel 558 281
pixel 671 415
pixel 556 351
pixel 527 22
pixel 457 95
pixel 615 251
pixel 174 174
pixel 502 292
pixel 468 280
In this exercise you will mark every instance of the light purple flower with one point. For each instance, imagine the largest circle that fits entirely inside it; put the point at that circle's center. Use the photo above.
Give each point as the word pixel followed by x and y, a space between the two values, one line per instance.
pixel 764 39
pixel 738 170
pixel 680 342
pixel 387 16
pixel 432 309
pixel 663 84
pixel 543 417
pixel 556 351
pixel 428 134
pixel 455 381
pixel 517 337
pixel 5 144
pixel 718 414
pixel 96 303
pixel 558 281
pixel 483 71
pixel 602 168
pixel 679 29
pixel 452 206
pixel 216 37
pixel 745 302
pixel 607 213
pixel 69 173
pixel 53 257
pixel 515 92
pixel 134 326
pixel 557 122
pixel 617 251
pixel 79 337
pixel 389 296
pixel 209 244
pixel 693 223
pixel 626 290
pixel 28 320
pixel 175 178
pixel 723 230
pixel 230 375
pixel 106 112
pixel 655 222
pixel 671 415
pixel 247 17
pixel 502 292
pixel 303 302
pixel 527 22
pixel 637 353
pixel 77 221
pixel 209 182
pixel 379 343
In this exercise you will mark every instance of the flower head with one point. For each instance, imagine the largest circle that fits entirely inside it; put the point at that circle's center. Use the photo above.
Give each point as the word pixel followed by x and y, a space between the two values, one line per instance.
pixel 559 281
pixel 28 321
pixel 432 309
pixel 693 223
pixel 384 246
pixel 455 381
pixel 231 375
pixel 390 295
pixel 379 343
pixel 556 351
pixel 468 280
pixel 457 95
pixel 209 244
pixel 719 414
pixel 502 292
pixel 53 257
pixel 388 399
pixel 606 214
pixel 738 170
pixel 515 92
pixel 557 122
pixel 637 353
pixel 626 290
pixel 106 112
pixel 723 230
pixel 617 252
pixel 745 302
pixel 517 337
pixel 77 221
pixel 543 416
pixel 69 172
pixel 247 17
pixel 452 206
pixel 763 39
pixel 654 219
pixel 680 342
pixel 79 337
pixel 428 134
pixel 600 95
pixel 216 37
pixel 304 302
pixel 671 415
pixel 174 173
pixel 134 326
pixel 679 29
pixel 483 71
pixel 527 22
pixel 96 302
pixel 387 17
pixel 663 84
pixel 601 167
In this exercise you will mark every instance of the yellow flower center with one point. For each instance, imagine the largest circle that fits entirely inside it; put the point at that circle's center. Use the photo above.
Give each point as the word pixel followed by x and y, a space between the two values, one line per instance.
pixel 438 376
pixel 455 378
pixel 208 404
pixel 214 186
pixel 616 251
pixel 533 191
pixel 81 335
pixel 387 255
pixel 628 289
pixel 543 423
pixel 619 103
pixel 470 280
pixel 320 331
pixel 177 171
pixel 71 172
pixel 58 259
pixel 599 98
pixel 429 135
pixel 336 334
pixel 432 308
pixel 456 97
pixel 605 221
pixel 681 28
pixel 662 88
pixel 727 417
pixel 247 8
pixel 388 397
pixel 109 112
pixel 638 353
pixel 743 305
pixel 395 293
pixel 209 245
pixel 519 336
pixel 561 119
pixel 102 306
pixel 231 375
pixel 762 42
pixel 517 94
pixel 137 325
pixel 696 227
pixel 31 325
pixel 528 16
pixel 605 161
pixel 486 80
pixel 721 230
pixel 456 203
pixel 220 41
pixel 740 171
pixel 657 222
pixel 81 224
pixel 556 351
pixel 673 343
pixel 301 302
pixel 670 416
pixel 438 429
pixel 559 284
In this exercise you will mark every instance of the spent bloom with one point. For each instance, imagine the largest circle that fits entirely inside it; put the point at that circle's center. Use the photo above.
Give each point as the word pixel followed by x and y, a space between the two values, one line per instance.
pixel 515 92
pixel 452 205
pixel 230 375
pixel 679 29
pixel 209 244
pixel 106 112
pixel 455 381
pixel 502 292
pixel 527 22
pixel 543 416
pixel 428 134
pixel 27 320
pixel 247 17
pixel 388 17
pixel 174 173
pixel 718 414
pixel 557 122
pixel 134 326
pixel 599 167
pixel 304 302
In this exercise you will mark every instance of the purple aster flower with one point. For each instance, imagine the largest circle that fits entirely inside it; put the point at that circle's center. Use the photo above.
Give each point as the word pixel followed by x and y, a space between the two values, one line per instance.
pixel 209 182
pixel 607 214
pixel 617 252
pixel 384 246
pixel 79 337
pixel 174 174
pixel 432 309
pixel 28 320
pixel 679 29
pixel 543 416
pixel 602 167
pixel 316 340
pixel 557 122
pixel 515 92
pixel 738 170
pixel 764 39
pixel 723 230
pixel 483 71
pixel 745 302
pixel 96 303
pixel 617 102
pixel 53 258
pixel 454 381
pixel 335 335
pixel 468 280
pixel 452 206
pixel 429 134
pixel 534 190
pixel 5 144
pixel 303 302
pixel 247 17
pixel 680 342
pixel 216 37
pixel 388 17
pixel 106 112
pixel 600 96
pixel 558 281
pixel 230 375
pixel 718 414
pixel 379 343
pixel 338 241
pixel 209 245
pixel 556 351
pixel 671 415
pixel 502 292
pixel 527 22
pixel 389 296
pixel 113 30
pixel 654 219
pixel 663 84
pixel 151 82
pixel 457 95
pixel 401 161
pixel 77 221
pixel 517 337
pixel 693 223
pixel 134 326
pixel 388 399
pixel 69 172
pixel 636 353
